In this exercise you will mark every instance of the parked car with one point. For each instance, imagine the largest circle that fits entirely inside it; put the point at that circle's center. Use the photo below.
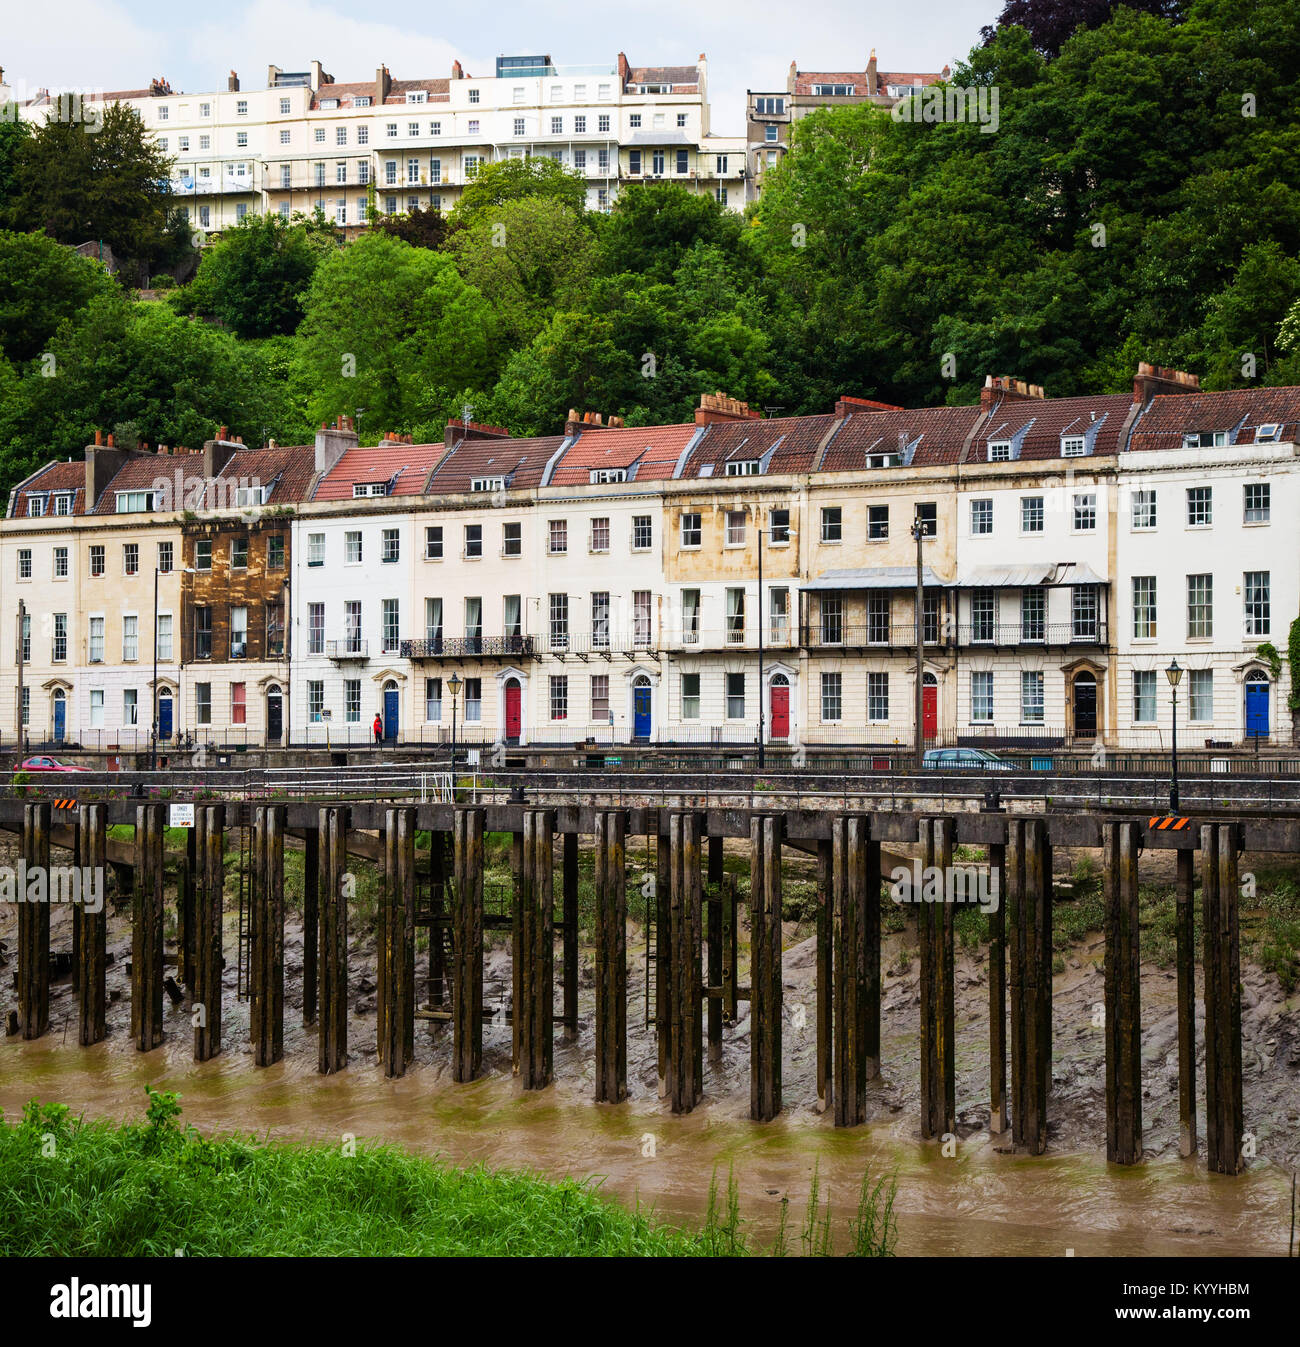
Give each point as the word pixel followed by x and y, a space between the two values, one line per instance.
pixel 965 760
pixel 48 765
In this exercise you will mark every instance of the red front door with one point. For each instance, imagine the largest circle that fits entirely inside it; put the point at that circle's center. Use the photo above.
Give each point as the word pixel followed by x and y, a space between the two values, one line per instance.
pixel 514 715
pixel 780 711
pixel 929 710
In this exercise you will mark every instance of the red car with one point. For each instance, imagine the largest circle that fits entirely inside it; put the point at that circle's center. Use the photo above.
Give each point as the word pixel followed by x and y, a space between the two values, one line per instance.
pixel 48 765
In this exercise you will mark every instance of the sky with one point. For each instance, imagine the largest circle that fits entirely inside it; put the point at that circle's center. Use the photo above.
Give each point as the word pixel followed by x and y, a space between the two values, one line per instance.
pixel 122 44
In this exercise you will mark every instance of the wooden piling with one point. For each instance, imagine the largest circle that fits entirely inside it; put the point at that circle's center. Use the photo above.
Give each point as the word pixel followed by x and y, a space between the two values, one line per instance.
pixel 855 1013
pixel 1185 957
pixel 467 942
pixel 662 954
pixel 34 925
pixel 765 967
pixel 569 917
pixel 1221 961
pixel 998 994
pixel 209 905
pixel 147 929
pixel 395 1003
pixel 90 960
pixel 935 919
pixel 686 1036
pixel 1029 892
pixel 611 956
pixel 534 955
pixel 266 948
pixel 335 887
pixel 1120 843
pixel 310 921
pixel 825 973
pixel 185 934
pixel 714 901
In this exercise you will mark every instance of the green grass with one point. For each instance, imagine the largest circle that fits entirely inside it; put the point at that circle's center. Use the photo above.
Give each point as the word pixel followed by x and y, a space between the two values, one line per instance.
pixel 71 1187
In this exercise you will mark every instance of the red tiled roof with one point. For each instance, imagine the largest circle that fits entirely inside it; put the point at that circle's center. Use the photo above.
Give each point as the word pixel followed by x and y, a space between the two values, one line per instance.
pixel 1048 419
pixel 653 450
pixel 1237 411
pixel 146 470
pixel 290 467
pixel 409 464
pixel 937 432
pixel 54 477
pixel 792 440
pixel 520 462
pixel 664 74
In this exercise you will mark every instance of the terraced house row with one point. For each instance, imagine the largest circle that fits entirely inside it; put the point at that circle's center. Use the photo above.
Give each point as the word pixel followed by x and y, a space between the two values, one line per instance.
pixel 698 583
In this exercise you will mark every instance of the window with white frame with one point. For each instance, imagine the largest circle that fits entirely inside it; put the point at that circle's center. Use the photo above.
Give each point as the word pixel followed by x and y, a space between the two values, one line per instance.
pixel 832 697
pixel 433 699
pixel 433 542
pixel 1144 607
pixel 473 541
pixel 512 539
pixel 600 534
pixel 999 451
pixel 238 633
pixel 1200 606
pixel 1144 508
pixel 692 531
pixel 558 537
pixel 1031 696
pixel 600 620
pixel 1084 612
pixel 1085 512
pixel 390 546
pixel 559 615
pixel 1257 502
pixel 877 698
pixel 832 523
pixel 735 528
pixel 1257 591
pixel 599 698
pixel 473 700
pixel 96 651
pixel 352 547
pixel 433 621
pixel 981 696
pixel 315 628
pixel 1074 446
pixel 735 616
pixel 352 701
pixel 981 516
pixel 1031 514
pixel 559 697
pixel 690 616
pixel 130 637
pixel 641 609
pixel 690 696
pixel 392 626
pixel 983 616
pixel 1200 694
pixel 1200 506
pixel 735 696
pixel 315 701
pixel 1144 696
pixel 1033 614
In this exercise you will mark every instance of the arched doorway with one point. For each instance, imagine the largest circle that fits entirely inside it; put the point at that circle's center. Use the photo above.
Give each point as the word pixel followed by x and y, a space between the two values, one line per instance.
pixel 1085 705
pixel 929 706
pixel 642 715
pixel 1259 718
pixel 165 716
pixel 390 711
pixel 779 707
pixel 274 714
pixel 514 710
pixel 59 715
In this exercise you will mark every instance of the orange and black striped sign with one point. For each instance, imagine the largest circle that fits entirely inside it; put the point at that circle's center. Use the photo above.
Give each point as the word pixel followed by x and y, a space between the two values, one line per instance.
pixel 1168 822
pixel 64 804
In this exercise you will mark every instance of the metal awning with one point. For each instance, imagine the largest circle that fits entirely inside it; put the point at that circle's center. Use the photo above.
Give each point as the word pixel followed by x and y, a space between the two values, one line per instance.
pixel 1023 577
pixel 876 577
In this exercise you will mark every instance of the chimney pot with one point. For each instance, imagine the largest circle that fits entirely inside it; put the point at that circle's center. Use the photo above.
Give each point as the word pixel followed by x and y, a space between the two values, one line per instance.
pixel 110 440
pixel 99 437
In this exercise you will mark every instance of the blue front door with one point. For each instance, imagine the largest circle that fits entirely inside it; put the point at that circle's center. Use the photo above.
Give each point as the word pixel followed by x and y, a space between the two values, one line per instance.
pixel 641 710
pixel 1257 709
pixel 390 713
pixel 60 717
pixel 164 717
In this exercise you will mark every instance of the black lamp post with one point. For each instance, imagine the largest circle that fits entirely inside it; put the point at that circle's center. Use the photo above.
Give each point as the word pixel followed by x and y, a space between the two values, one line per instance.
pixel 453 686
pixel 1174 674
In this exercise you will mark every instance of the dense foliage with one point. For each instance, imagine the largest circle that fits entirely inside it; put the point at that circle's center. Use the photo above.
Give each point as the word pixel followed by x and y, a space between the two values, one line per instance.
pixel 1135 198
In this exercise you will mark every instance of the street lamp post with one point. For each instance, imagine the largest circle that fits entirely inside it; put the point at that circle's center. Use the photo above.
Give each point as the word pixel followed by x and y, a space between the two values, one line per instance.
pixel 918 533
pixel 453 686
pixel 1174 674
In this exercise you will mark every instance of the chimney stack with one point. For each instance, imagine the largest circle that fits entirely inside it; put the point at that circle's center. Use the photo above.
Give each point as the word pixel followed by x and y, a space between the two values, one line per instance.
pixel 719 407
pixel 1006 388
pixel 1153 379
pixel 873 83
pixel 232 83
pixel 383 83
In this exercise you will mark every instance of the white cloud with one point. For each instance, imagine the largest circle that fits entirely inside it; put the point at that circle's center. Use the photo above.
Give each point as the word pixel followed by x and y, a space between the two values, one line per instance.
pixel 93 44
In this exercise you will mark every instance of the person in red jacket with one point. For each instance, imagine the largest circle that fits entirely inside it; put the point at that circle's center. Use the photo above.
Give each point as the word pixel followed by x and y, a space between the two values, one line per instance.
pixel 379 729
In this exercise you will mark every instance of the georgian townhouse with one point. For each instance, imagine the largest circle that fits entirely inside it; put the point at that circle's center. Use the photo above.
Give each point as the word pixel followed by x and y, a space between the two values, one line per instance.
pixel 237 594
pixel 354 545
pixel 1209 495
pixel 1036 529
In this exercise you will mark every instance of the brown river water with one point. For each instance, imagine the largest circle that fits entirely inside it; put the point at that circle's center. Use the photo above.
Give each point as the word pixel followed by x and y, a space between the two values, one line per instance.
pixel 979 1202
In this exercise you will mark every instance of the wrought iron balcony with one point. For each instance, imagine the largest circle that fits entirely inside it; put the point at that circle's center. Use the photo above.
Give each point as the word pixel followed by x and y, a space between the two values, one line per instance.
pixel 461 647
pixel 352 647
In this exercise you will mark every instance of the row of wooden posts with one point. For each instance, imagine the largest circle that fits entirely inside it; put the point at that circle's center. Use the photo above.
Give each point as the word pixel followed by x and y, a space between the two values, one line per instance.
pixel 692 913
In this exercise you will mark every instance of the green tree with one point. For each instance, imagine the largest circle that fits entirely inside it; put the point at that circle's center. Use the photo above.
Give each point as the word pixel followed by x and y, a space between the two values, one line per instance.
pixel 41 284
pixel 422 227
pixel 13 136
pixel 98 180
pixel 515 179
pixel 528 258
pixel 653 225
pixel 393 329
pixel 253 278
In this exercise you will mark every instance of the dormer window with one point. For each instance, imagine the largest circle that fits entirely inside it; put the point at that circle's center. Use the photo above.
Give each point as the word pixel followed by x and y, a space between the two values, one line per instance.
pixel 999 451
pixel 63 502
pixel 251 495
pixel 134 502
pixel 360 489
pixel 1268 433
pixel 329 104
pixel 600 475
pixel 488 484
pixel 1204 439
pixel 417 96
pixel 1074 446
pixel 743 467
pixel 36 506
pixel 884 460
